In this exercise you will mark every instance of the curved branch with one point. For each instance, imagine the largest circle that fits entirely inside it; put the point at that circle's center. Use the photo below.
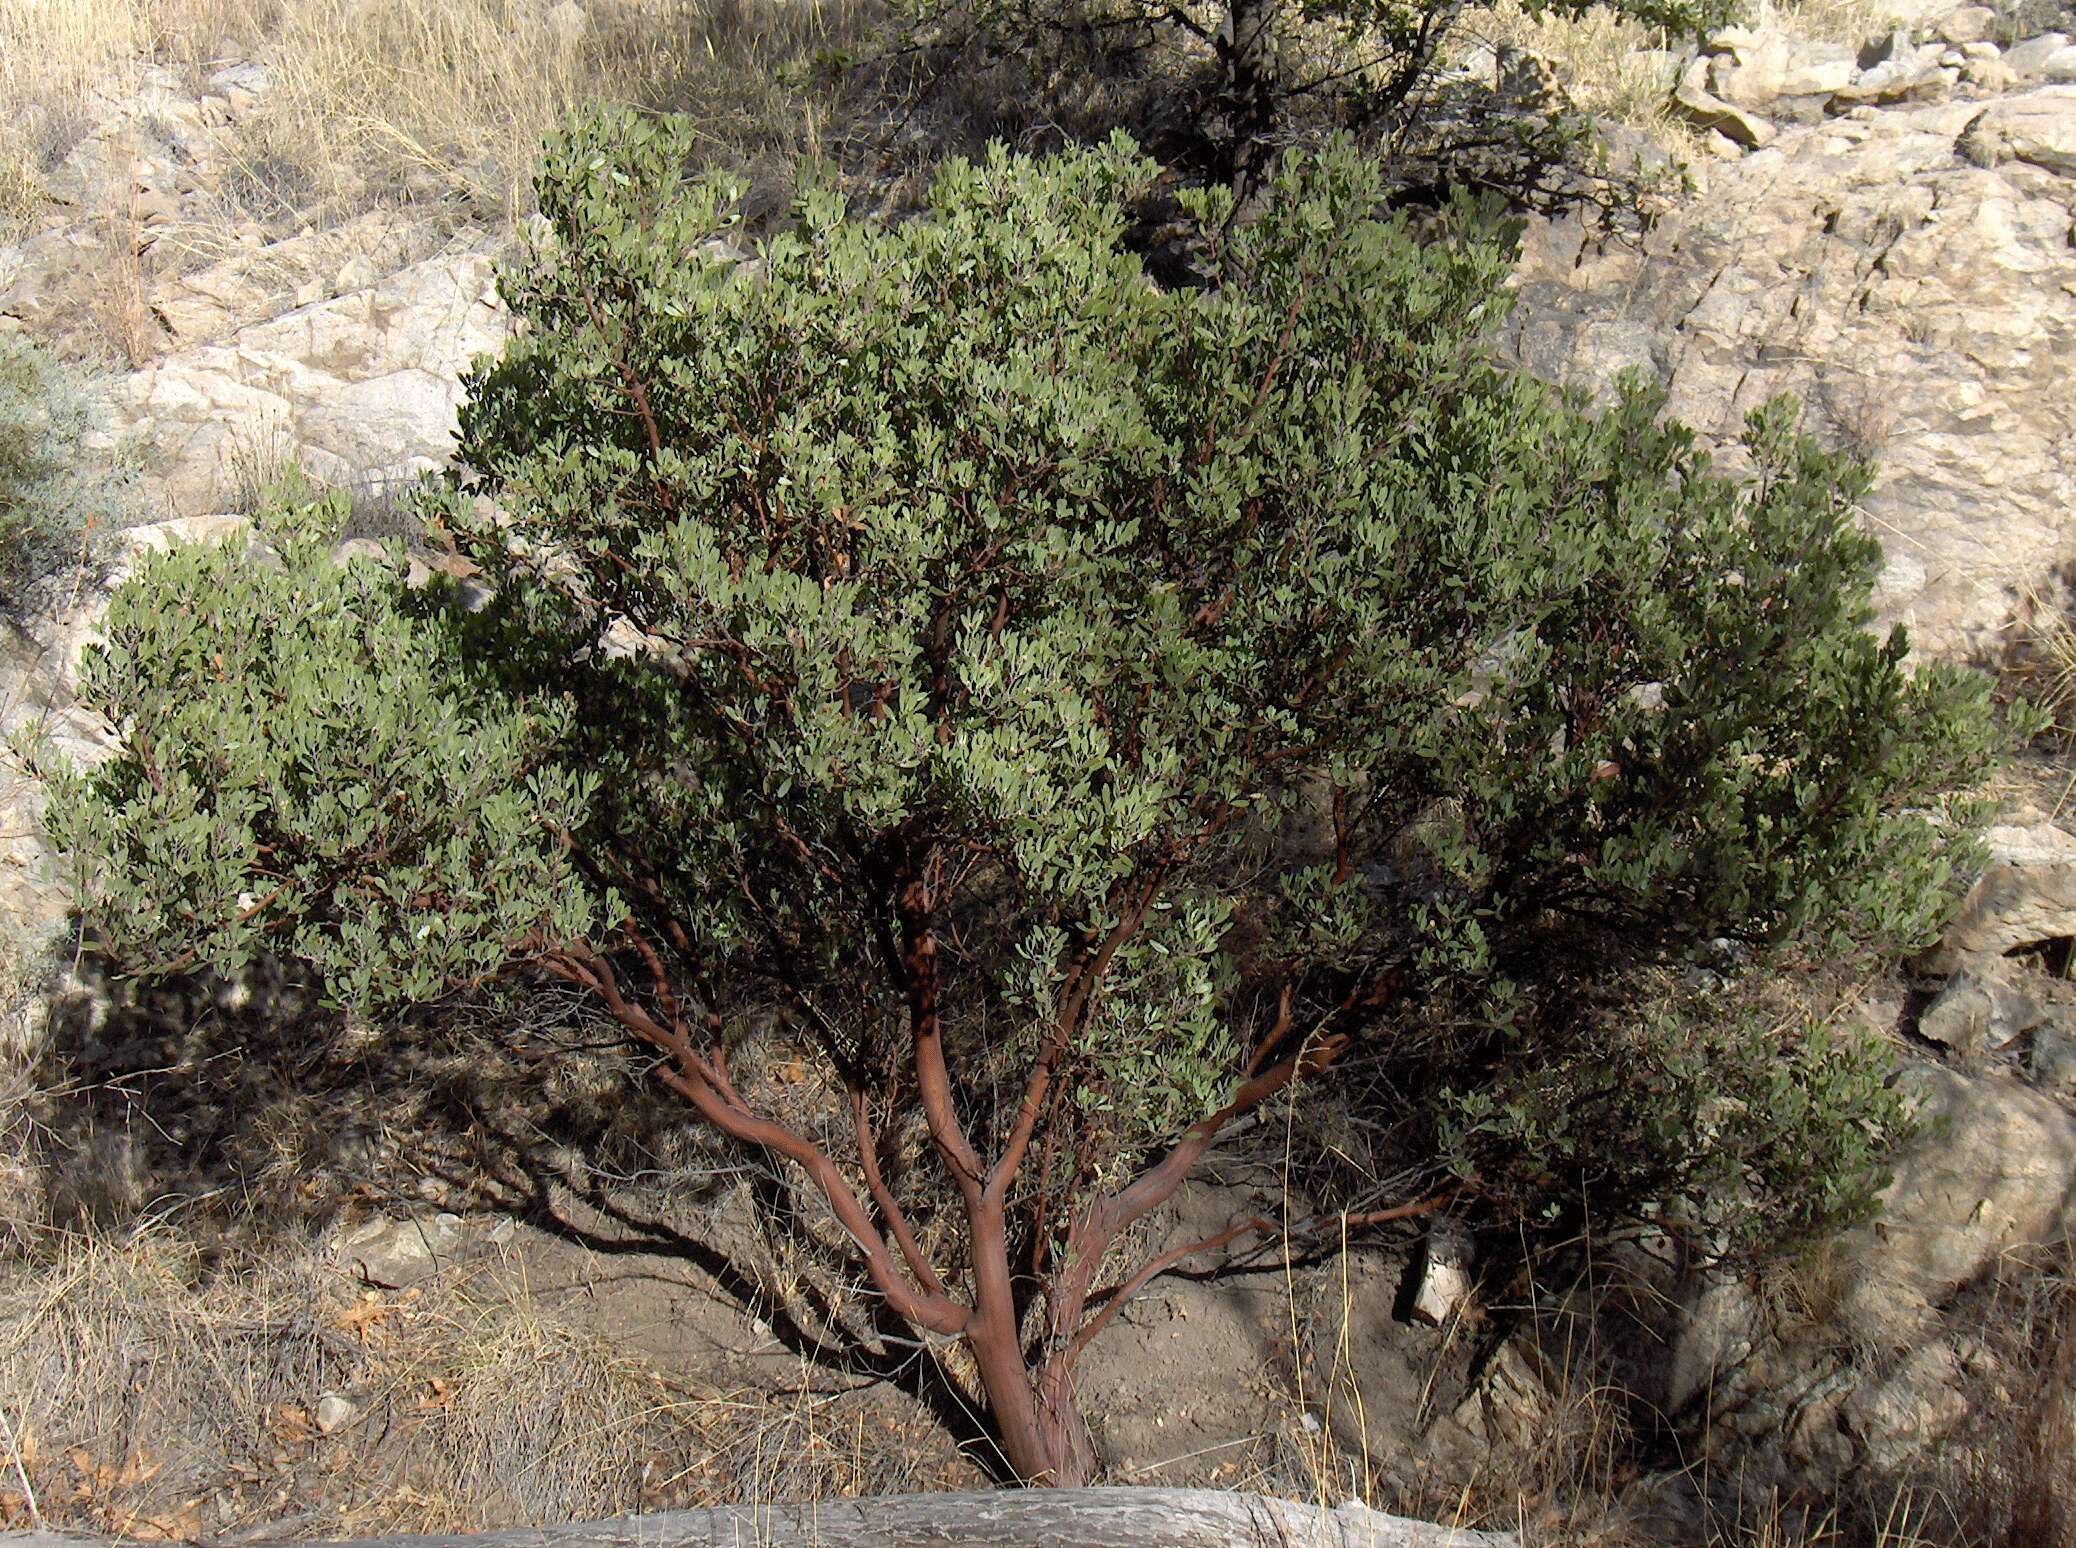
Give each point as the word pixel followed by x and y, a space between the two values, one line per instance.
pixel 883 1198
pixel 1157 1184
pixel 695 1079
pixel 1115 1298
pixel 933 1078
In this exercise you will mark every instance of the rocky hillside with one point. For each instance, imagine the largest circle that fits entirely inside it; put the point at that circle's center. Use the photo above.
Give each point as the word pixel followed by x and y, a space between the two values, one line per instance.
pixel 1888 236
pixel 1885 227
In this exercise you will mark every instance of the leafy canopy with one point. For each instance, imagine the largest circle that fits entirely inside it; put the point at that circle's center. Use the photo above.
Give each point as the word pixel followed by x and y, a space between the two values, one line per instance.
pixel 941 635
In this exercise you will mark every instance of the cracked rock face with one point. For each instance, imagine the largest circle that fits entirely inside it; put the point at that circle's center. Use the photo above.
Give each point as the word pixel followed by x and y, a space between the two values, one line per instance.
pixel 1909 273
pixel 363 385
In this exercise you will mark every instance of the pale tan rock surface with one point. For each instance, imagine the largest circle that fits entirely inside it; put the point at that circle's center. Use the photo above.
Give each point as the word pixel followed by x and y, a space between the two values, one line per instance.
pixel 1915 288
pixel 364 384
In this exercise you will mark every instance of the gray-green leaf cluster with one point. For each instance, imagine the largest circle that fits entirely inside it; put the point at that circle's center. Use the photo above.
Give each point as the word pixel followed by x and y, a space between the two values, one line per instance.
pixel 55 488
pixel 1083 709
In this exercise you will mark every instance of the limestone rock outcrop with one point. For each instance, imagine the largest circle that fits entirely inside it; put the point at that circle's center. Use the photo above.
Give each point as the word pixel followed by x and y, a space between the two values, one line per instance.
pixel 361 386
pixel 1909 273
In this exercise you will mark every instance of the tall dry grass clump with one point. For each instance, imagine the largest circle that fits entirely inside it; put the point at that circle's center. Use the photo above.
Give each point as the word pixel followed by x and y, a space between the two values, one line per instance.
pixel 2039 657
pixel 397 92
pixel 396 96
pixel 380 101
pixel 1613 66
pixel 54 54
pixel 63 63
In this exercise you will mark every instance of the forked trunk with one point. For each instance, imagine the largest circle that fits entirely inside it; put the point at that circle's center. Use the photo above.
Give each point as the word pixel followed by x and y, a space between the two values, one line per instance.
pixel 1043 1436
pixel 1038 1412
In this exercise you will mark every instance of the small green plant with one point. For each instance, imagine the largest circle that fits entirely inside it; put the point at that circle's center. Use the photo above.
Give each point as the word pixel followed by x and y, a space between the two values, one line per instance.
pixel 55 490
pixel 1081 712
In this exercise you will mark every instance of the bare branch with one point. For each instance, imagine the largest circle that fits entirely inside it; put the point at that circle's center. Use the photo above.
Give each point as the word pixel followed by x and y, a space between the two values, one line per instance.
pixel 933 1079
pixel 1115 1298
pixel 889 1207
pixel 693 1078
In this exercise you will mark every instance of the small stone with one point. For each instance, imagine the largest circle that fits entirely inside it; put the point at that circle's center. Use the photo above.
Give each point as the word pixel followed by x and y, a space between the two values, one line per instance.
pixel 2053 1062
pixel 1898 69
pixel 153 206
pixel 333 1412
pixel 1970 24
pixel 1984 1005
pixel 243 84
pixel 1443 1267
pixel 1711 112
pixel 2029 59
pixel 1958 1018
pixel 357 550
pixel 358 273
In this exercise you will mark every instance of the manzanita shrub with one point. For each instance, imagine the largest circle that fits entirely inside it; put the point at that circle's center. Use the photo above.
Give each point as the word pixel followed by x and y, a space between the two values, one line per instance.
pixel 1084 712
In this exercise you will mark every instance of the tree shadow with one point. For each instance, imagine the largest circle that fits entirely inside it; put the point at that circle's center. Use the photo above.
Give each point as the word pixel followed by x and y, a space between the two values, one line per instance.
pixel 240 1112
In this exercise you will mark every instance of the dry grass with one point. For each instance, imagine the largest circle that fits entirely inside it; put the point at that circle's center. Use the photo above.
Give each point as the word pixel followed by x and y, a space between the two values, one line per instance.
pixel 2040 656
pixel 22 1140
pixel 1838 21
pixel 467 89
pixel 63 61
pixel 388 100
pixel 160 1381
pixel 2009 1476
pixel 1618 69
pixel 53 54
pixel 149 1396
pixel 394 93
pixel 1613 67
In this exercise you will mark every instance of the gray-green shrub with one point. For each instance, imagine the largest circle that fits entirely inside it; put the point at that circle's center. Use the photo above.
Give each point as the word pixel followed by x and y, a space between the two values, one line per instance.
pixel 1081 712
pixel 55 490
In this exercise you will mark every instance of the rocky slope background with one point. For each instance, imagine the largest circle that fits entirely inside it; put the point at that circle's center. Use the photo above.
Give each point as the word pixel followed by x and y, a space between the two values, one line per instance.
pixel 489 1312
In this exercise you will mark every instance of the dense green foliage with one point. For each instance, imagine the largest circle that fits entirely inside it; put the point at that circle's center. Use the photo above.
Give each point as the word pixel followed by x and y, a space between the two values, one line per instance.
pixel 1081 708
pixel 53 488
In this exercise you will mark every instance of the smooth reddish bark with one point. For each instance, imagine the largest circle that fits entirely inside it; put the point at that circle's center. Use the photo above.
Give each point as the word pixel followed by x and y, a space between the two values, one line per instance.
pixel 1032 1397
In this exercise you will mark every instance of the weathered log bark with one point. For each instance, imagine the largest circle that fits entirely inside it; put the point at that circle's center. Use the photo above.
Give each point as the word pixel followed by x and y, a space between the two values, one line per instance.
pixel 1014 1518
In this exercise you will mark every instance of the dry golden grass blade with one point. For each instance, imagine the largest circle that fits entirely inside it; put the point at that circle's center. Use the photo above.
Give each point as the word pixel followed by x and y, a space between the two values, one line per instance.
pixel 166 1397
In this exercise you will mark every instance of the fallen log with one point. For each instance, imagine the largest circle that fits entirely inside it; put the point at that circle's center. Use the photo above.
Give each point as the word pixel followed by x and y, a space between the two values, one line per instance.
pixel 1011 1518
